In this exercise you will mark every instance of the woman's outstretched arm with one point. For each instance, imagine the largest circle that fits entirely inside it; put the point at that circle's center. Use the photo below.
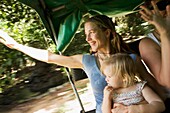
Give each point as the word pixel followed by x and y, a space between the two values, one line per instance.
pixel 41 54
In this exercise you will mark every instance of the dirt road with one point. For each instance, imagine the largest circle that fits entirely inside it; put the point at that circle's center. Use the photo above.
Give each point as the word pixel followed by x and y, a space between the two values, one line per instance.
pixel 60 99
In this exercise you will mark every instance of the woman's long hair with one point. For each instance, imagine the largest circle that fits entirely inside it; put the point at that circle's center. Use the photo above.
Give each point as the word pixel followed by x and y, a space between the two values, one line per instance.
pixel 117 43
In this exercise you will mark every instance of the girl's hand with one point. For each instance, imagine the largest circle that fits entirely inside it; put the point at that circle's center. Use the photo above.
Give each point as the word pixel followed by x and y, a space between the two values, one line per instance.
pixel 108 91
pixel 161 22
pixel 7 40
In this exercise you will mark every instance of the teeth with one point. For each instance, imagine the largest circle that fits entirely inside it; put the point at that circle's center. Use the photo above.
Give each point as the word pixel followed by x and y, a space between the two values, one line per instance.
pixel 92 42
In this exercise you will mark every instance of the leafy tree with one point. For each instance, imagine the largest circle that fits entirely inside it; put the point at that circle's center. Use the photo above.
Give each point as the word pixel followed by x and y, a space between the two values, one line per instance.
pixel 132 26
pixel 24 25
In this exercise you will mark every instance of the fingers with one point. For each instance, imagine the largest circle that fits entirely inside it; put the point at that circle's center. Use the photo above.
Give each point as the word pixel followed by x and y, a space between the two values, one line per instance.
pixel 2 33
pixel 146 10
pixel 168 10
pixel 3 36
pixel 152 16
pixel 109 88
pixel 108 91
pixel 2 40
pixel 117 105
pixel 156 10
pixel 10 45
pixel 119 108
pixel 7 40
pixel 146 14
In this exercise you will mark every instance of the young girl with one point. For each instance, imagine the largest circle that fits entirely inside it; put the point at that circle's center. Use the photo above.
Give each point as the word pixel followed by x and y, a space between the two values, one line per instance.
pixel 125 86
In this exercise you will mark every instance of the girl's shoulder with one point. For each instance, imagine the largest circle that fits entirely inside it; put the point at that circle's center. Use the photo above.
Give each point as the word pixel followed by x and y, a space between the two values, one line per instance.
pixel 140 85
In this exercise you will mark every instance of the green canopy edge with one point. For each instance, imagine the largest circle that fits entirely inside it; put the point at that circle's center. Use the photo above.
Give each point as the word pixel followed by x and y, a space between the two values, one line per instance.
pixel 63 17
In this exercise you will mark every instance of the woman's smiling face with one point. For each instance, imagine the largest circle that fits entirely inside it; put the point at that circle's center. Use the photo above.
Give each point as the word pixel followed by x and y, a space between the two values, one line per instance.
pixel 95 36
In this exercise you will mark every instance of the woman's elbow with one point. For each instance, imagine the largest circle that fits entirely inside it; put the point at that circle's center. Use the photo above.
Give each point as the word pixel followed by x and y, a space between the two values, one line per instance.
pixel 164 82
pixel 159 106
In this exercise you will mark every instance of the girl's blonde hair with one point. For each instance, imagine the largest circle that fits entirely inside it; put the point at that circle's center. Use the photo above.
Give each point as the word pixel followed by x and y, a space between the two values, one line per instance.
pixel 122 65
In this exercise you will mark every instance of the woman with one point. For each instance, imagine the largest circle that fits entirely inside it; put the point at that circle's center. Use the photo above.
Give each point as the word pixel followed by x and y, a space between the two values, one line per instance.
pixel 104 41
pixel 125 86
pixel 155 50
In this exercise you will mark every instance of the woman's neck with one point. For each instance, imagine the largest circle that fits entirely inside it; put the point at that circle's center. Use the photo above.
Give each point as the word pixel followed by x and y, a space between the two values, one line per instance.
pixel 106 51
pixel 103 56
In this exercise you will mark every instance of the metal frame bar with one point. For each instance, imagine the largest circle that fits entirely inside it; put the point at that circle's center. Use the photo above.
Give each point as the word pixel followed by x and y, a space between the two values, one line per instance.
pixel 67 70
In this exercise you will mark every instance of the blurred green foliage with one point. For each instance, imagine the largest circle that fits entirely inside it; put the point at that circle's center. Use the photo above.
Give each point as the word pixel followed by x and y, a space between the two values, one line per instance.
pixel 132 25
pixel 24 25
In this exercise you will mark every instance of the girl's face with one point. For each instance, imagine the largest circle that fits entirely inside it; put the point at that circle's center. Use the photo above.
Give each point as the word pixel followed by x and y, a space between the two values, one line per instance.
pixel 113 80
pixel 95 36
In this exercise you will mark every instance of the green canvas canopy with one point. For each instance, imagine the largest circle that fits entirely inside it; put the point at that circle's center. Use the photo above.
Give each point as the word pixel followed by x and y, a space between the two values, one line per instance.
pixel 63 17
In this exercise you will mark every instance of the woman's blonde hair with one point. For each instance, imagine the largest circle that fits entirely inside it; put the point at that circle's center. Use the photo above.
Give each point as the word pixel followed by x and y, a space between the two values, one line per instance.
pixel 123 66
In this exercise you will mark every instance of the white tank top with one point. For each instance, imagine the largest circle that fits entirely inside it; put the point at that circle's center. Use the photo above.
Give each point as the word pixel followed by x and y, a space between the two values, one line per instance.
pixel 151 36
